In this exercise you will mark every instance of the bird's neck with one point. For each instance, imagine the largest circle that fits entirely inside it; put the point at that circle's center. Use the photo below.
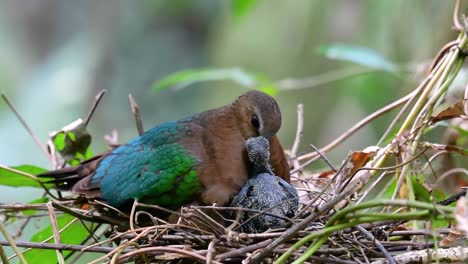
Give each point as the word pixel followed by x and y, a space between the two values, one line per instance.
pixel 219 121
pixel 262 169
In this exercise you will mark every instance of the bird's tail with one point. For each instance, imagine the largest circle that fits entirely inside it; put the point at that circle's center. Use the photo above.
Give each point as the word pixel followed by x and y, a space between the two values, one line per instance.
pixel 64 179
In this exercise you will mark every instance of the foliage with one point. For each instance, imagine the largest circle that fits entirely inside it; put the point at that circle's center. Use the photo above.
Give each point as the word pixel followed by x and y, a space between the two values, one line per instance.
pixel 15 178
pixel 357 54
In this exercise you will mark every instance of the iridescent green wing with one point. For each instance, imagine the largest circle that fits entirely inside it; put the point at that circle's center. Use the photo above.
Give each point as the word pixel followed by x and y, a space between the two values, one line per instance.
pixel 153 168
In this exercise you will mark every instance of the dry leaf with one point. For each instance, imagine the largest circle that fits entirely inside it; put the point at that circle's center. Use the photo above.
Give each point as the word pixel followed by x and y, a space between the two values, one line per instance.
pixel 452 111
pixel 360 158
pixel 451 238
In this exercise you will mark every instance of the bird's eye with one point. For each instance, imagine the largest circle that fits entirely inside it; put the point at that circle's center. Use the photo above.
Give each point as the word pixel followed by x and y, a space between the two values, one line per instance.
pixel 255 122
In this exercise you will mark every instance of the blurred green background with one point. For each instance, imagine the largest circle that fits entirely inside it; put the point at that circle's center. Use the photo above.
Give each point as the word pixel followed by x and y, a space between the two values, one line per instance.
pixel 56 55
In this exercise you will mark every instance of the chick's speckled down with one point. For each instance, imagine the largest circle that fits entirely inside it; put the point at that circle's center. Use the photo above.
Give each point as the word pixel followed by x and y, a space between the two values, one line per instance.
pixel 265 192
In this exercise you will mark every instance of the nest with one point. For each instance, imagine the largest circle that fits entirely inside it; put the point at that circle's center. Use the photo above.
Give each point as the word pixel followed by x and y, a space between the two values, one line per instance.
pixel 377 206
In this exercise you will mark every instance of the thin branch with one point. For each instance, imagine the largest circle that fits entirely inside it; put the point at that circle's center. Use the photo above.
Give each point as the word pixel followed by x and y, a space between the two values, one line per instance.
pixel 26 126
pixel 332 180
pixel 297 140
pixel 136 252
pixel 292 231
pixel 10 242
pixel 132 215
pixel 400 113
pixel 53 222
pixel 387 255
pixel 211 251
pixel 322 155
pixel 442 255
pixel 3 256
pixel 241 252
pixel 300 127
pixel 452 198
pixel 136 114
pixel 55 246
pixel 466 99
pixel 33 177
pixel 97 100
pixel 359 125
pixel 456 14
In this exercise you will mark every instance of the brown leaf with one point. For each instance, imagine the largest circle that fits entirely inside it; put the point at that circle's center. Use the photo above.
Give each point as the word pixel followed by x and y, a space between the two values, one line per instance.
pixel 452 111
pixel 360 158
pixel 451 238
pixel 461 226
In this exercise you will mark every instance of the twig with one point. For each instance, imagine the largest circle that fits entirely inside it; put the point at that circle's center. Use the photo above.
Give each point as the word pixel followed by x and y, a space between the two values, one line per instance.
pixel 466 99
pixel 56 246
pixel 211 251
pixel 343 165
pixel 3 257
pixel 387 255
pixel 329 260
pixel 450 172
pixel 418 232
pixel 443 255
pixel 31 177
pixel 121 248
pixel 97 100
pixel 136 114
pixel 26 126
pixel 359 125
pixel 240 252
pixel 452 198
pixel 191 254
pixel 125 245
pixel 10 242
pixel 402 110
pixel 22 227
pixel 300 127
pixel 53 222
pixel 292 231
pixel 456 13
pixel 322 155
pixel 132 215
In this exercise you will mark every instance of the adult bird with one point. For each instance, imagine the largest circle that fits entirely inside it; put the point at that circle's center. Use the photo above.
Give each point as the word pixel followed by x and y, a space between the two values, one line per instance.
pixel 199 158
pixel 276 199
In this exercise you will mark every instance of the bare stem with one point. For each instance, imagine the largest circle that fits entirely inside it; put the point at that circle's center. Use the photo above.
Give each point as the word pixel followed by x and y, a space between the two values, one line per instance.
pixel 97 100
pixel 26 126
pixel 11 243
pixel 53 222
pixel 136 115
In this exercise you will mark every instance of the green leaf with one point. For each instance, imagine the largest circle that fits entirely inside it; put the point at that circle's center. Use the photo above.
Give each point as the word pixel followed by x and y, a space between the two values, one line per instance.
pixel 421 193
pixel 59 141
pixel 242 7
pixel 185 78
pixel 74 234
pixel 72 142
pixel 389 189
pixel 357 54
pixel 13 179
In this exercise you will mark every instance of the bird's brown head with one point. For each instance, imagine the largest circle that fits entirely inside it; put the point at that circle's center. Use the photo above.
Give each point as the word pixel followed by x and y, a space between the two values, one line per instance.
pixel 257 114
